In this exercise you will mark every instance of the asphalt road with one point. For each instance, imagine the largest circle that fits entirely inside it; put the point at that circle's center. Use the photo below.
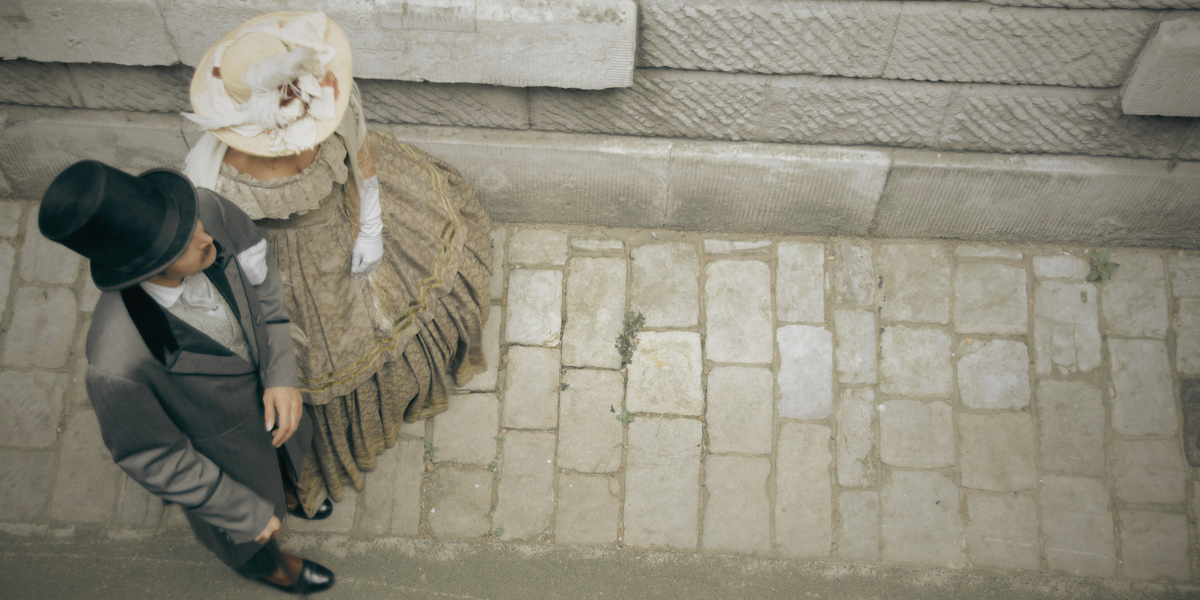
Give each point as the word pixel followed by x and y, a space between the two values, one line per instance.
pixel 39 562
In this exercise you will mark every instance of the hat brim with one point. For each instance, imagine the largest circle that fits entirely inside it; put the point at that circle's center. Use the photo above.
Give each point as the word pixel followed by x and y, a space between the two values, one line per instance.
pixel 342 67
pixel 178 189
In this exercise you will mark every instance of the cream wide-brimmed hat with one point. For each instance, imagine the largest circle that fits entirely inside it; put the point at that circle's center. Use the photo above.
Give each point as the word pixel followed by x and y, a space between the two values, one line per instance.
pixel 258 88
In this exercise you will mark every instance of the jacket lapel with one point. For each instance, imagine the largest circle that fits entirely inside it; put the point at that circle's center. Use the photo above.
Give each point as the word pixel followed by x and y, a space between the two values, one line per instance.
pixel 183 349
pixel 151 323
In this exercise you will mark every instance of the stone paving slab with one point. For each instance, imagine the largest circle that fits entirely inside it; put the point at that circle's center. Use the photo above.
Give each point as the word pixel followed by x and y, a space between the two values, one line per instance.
pixel 1134 302
pixel 1077 526
pixel 914 283
pixel 662 483
pixel 665 284
pixel 537 247
pixel 42 328
pixel 858 538
pixel 856 355
pixel 7 256
pixel 853 272
pixel 850 400
pixel 531 387
pixel 664 376
pixel 87 482
pixel 1071 429
pixel 33 405
pixel 25 479
pixel 1154 546
pixel 534 307
pixel 1149 471
pixel 805 376
pixel 993 374
pixel 596 306
pixel 990 298
pixel 1187 336
pixel 45 261
pixel 1066 330
pixel 996 452
pixel 1142 387
pixel 916 434
pixel 915 361
pixel 458 502
pixel 856 464
pixel 590 438
pixel 737 300
pixel 800 282
pixel 803 497
pixel 921 519
pixel 466 432
pixel 588 509
pixel 737 516
pixel 392 499
pixel 741 412
pixel 1002 531
pixel 526 491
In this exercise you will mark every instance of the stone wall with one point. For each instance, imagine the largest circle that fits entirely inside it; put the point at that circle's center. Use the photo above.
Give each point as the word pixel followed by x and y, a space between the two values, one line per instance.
pixel 979 120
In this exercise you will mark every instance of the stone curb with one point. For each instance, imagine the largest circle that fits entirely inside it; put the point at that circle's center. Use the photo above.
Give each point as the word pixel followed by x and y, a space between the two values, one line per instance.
pixel 530 176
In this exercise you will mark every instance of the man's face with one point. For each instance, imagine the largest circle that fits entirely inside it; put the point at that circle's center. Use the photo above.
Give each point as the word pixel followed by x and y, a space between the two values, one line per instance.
pixel 199 255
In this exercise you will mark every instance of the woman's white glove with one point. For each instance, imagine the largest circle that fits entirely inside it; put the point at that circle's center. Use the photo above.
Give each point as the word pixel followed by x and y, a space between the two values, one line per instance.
pixel 368 248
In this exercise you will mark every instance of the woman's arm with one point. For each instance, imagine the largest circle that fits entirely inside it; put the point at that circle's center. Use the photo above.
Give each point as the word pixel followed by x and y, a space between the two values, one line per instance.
pixel 368 248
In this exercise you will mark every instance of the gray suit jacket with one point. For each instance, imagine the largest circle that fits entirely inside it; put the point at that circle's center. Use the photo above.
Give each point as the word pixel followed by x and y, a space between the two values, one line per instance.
pixel 183 415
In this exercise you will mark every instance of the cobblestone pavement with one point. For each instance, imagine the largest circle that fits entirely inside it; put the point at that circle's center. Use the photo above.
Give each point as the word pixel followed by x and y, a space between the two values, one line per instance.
pixel 842 400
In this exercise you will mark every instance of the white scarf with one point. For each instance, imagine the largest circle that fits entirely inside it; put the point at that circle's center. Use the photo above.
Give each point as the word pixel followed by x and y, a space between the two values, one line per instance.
pixel 195 292
pixel 203 164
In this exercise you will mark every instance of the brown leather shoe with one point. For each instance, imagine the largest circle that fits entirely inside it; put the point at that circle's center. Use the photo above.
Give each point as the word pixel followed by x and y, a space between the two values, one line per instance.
pixel 301 576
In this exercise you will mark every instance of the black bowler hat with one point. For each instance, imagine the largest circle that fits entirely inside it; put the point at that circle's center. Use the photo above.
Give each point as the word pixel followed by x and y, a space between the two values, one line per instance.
pixel 131 228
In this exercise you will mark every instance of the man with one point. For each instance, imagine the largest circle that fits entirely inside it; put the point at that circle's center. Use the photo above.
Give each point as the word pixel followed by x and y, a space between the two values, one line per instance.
pixel 190 363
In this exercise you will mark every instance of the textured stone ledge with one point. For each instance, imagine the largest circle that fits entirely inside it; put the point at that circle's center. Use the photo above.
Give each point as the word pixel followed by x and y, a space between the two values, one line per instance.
pixel 37 143
pixel 829 110
pixel 585 44
pixel 932 41
pixel 589 44
pixel 95 85
pixel 458 105
pixel 1148 4
pixel 533 176
pixel 800 109
pixel 1051 199
pixel 1165 80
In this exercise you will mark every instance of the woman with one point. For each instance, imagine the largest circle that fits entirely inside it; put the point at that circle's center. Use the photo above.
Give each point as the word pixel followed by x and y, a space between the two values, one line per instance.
pixel 384 250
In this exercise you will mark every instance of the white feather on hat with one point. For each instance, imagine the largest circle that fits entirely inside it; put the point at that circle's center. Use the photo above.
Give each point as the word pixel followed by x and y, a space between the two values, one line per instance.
pixel 273 89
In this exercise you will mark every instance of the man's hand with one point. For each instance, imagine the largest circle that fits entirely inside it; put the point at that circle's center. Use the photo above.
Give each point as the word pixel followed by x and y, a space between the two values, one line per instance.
pixel 285 404
pixel 271 532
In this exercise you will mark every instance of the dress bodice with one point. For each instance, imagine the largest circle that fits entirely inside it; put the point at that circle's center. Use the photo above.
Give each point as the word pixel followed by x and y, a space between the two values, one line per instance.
pixel 287 196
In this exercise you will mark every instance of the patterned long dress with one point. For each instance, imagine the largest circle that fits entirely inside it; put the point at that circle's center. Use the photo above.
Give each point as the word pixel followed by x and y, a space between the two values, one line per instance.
pixel 377 351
